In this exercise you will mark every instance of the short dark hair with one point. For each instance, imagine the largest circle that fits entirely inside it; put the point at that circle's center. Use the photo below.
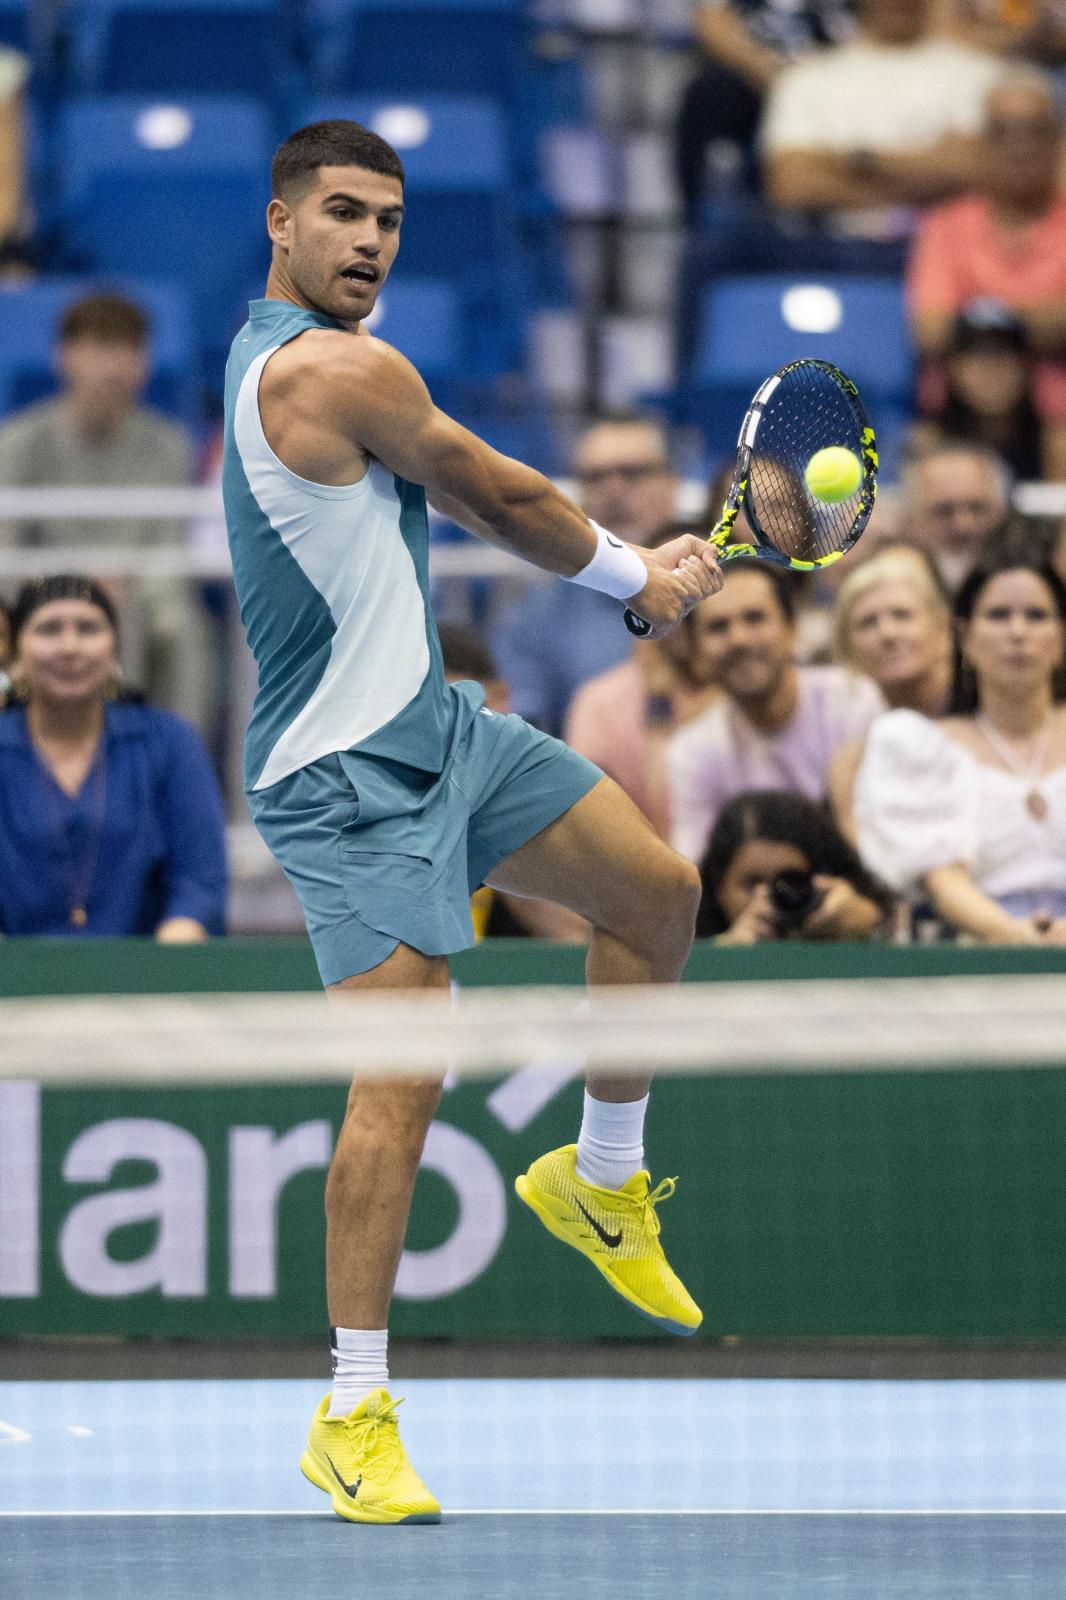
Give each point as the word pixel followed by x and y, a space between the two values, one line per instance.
pixel 109 318
pixel 785 818
pixel 336 143
pixel 781 581
pixel 61 586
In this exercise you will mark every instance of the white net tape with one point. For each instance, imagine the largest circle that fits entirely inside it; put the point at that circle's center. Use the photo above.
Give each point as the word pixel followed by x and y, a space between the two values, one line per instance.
pixel 709 1028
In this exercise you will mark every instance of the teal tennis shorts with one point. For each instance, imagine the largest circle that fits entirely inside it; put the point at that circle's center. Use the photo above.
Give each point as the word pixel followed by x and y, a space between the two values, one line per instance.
pixel 380 853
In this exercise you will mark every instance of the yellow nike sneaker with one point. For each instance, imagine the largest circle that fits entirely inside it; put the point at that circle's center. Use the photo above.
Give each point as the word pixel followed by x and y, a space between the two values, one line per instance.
pixel 359 1461
pixel 617 1229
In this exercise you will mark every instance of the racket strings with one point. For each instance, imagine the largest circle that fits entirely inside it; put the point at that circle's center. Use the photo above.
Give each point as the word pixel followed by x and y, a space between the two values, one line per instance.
pixel 806 412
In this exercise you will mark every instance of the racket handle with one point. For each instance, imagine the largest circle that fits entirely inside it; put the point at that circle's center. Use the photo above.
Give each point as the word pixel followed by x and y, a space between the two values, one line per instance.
pixel 635 624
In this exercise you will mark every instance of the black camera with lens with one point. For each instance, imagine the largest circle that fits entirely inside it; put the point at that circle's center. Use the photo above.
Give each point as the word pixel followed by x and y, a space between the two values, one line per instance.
pixel 793 896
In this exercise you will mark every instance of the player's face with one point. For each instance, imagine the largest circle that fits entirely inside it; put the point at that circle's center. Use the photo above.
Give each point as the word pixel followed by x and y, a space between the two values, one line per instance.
pixel 756 863
pixel 66 651
pixel 340 239
pixel 747 642
pixel 1015 637
pixel 894 637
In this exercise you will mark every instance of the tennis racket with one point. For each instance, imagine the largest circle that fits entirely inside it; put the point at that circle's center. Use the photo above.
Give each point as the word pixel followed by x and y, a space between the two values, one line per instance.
pixel 805 407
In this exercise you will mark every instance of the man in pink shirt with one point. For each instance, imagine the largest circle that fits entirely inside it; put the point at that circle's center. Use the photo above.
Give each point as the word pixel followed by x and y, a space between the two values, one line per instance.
pixel 622 718
pixel 1007 241
pixel 777 725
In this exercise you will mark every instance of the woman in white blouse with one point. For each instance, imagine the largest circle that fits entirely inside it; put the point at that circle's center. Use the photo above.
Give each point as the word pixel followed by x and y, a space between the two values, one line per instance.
pixel 970 812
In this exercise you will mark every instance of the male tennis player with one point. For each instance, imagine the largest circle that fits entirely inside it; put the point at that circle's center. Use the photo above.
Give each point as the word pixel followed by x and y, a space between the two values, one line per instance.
pixel 388 795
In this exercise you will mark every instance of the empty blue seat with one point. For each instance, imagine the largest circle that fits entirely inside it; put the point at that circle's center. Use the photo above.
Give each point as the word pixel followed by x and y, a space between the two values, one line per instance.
pixel 15 24
pixel 450 46
pixel 423 319
pixel 182 46
pixel 175 189
pixel 30 315
pixel 752 325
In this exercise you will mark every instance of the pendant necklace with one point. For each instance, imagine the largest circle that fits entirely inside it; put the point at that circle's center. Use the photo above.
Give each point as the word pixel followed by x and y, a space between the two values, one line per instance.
pixel 80 881
pixel 1029 774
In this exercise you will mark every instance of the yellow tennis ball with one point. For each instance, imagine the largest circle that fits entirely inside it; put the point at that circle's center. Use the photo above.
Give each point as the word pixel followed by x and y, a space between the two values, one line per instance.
pixel 833 474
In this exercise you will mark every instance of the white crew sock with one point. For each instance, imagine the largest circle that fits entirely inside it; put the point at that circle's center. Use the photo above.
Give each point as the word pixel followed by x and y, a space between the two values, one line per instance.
pixel 360 1363
pixel 610 1146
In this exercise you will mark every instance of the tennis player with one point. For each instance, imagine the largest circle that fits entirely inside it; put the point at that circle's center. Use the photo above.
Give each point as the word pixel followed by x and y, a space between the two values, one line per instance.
pixel 387 795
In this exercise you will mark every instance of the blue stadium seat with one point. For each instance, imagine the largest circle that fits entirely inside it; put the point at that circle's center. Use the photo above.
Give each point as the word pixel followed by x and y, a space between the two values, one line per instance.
pixel 176 190
pixel 752 325
pixel 749 326
pixel 446 46
pixel 180 46
pixel 29 324
pixel 15 24
pixel 423 319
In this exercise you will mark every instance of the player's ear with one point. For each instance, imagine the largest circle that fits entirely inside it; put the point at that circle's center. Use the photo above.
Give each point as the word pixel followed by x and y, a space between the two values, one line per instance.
pixel 279 222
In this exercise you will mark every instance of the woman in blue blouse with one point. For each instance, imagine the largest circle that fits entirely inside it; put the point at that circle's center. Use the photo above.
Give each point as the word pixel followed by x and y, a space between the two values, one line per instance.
pixel 111 821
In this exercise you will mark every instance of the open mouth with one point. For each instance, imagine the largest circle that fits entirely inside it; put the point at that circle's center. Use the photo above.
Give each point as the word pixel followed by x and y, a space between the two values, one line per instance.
pixel 367 275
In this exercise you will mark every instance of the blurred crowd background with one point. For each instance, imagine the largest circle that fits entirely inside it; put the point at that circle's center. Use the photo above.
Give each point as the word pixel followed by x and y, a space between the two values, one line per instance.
pixel 622 215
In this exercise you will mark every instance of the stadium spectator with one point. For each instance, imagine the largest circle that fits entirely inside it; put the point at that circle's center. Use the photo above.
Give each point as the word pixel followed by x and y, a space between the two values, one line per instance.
pixel 1033 30
pixel 111 822
pixel 892 622
pixel 776 867
pixel 96 434
pixel 1005 241
pixel 497 914
pixel 623 718
pixel 554 640
pixel 971 812
pixel 987 394
pixel 777 726
pixel 745 46
pixel 862 133
pixel 954 497
pixel 15 222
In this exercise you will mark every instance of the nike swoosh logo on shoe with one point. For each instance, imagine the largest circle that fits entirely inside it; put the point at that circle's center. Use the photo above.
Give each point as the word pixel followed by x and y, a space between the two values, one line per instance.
pixel 350 1489
pixel 611 1240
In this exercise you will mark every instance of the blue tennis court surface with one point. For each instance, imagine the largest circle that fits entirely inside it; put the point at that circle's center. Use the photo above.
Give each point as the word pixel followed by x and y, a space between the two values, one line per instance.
pixel 762 1489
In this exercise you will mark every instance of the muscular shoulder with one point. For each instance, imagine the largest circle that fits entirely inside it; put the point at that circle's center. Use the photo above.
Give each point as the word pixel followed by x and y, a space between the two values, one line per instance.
pixel 331 362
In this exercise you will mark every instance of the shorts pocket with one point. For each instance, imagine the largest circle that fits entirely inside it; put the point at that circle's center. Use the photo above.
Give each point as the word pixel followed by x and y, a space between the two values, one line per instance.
pixel 408 898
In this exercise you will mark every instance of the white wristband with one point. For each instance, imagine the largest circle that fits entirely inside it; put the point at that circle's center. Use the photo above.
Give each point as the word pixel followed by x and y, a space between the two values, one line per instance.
pixel 614 569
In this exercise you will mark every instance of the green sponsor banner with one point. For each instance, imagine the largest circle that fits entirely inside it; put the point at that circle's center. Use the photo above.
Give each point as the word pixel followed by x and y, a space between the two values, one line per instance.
pixel 854 1205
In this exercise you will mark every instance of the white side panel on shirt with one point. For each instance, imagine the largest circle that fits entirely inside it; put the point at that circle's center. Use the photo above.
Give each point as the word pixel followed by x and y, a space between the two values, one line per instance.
pixel 347 541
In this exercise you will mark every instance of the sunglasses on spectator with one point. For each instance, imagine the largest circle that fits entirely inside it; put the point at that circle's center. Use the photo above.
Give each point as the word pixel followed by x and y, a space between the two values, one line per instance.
pixel 629 471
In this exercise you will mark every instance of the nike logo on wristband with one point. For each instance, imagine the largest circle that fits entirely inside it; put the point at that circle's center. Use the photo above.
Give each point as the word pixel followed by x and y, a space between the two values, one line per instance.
pixel 617 543
pixel 611 1240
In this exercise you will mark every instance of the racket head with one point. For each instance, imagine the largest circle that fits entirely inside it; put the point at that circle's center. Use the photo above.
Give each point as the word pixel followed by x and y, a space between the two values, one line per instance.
pixel 804 407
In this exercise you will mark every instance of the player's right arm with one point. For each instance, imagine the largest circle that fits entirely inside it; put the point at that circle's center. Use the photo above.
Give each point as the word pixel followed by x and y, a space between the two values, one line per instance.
pixel 363 393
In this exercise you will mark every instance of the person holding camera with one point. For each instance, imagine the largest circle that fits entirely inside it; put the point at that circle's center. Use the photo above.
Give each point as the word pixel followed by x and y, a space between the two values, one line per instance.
pixel 777 867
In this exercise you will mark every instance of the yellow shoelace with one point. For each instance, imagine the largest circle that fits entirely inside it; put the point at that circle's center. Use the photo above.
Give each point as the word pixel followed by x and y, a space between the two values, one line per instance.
pixel 381 1430
pixel 656 1196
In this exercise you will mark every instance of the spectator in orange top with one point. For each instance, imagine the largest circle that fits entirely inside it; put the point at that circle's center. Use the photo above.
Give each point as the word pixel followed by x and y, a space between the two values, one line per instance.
pixel 1006 241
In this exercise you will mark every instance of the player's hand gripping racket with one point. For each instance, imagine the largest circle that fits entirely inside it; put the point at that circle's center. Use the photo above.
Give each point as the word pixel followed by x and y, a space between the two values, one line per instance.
pixel 807 407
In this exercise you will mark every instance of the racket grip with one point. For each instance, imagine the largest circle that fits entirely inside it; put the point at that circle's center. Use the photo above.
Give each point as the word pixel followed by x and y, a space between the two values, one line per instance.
pixel 635 624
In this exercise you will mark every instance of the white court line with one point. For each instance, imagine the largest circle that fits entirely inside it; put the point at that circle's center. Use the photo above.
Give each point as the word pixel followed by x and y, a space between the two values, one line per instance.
pixel 569 1511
